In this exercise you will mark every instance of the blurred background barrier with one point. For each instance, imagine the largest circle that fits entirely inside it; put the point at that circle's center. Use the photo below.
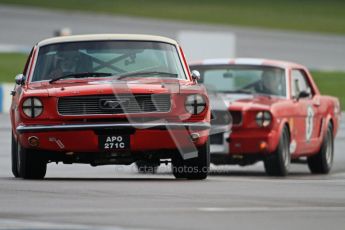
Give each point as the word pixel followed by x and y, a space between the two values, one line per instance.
pixel 7 48
pixel 200 45
pixel 5 97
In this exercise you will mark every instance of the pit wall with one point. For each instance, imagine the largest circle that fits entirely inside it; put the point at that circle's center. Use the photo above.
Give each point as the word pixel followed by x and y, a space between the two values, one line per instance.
pixel 5 97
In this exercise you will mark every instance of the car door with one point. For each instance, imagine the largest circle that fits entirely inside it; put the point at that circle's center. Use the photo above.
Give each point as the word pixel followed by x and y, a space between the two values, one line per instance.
pixel 307 120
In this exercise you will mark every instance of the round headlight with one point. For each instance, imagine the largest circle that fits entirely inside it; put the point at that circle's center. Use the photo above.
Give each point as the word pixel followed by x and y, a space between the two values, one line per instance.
pixel 32 107
pixel 195 104
pixel 263 119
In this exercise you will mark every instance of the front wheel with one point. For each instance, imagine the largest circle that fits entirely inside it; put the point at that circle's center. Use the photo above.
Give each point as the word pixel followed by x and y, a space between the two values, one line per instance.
pixel 14 159
pixel 194 168
pixel 278 163
pixel 322 162
pixel 30 164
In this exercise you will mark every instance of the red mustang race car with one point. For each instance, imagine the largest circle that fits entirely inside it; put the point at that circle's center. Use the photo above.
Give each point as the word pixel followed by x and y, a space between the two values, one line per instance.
pixel 109 99
pixel 278 114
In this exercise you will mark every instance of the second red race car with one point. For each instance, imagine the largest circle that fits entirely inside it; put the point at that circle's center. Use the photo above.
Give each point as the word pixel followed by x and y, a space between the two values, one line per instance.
pixel 278 114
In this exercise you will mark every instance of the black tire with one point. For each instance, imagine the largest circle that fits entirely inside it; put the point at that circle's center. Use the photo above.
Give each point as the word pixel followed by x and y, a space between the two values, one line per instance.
pixel 30 163
pixel 194 168
pixel 278 162
pixel 14 157
pixel 146 167
pixel 321 163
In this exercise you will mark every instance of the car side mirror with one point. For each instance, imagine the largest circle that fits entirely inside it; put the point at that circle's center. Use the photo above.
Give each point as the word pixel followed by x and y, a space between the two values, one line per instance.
pixel 20 79
pixel 195 75
pixel 303 94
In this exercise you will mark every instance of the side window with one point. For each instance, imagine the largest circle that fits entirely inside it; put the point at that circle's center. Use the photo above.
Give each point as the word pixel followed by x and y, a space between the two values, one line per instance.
pixel 299 83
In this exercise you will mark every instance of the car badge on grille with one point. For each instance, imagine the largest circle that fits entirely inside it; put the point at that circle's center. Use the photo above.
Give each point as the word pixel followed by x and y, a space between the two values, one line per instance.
pixel 115 104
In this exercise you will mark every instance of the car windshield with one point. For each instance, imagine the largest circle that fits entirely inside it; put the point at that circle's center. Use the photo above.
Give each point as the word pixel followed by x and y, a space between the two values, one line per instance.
pixel 243 79
pixel 111 58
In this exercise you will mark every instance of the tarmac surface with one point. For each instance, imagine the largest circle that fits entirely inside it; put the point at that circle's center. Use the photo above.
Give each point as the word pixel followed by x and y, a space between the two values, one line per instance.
pixel 117 197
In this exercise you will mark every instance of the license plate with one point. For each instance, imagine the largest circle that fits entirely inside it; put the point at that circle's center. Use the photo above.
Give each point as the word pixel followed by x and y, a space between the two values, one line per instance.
pixel 114 142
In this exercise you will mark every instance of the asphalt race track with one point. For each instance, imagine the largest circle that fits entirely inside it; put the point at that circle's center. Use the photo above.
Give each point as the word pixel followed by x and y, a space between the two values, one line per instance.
pixel 109 197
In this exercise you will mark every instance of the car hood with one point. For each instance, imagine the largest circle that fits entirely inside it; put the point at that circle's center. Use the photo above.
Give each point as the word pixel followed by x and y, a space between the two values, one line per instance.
pixel 96 87
pixel 242 101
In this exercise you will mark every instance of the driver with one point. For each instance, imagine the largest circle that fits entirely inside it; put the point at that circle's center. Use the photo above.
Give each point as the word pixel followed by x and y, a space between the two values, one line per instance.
pixel 270 82
pixel 66 63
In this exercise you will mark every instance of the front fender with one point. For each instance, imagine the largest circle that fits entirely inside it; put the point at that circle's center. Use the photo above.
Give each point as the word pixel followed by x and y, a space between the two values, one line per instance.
pixel 281 124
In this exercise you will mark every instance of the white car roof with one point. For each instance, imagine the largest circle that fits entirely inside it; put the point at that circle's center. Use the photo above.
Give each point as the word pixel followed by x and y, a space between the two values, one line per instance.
pixel 100 37
pixel 247 61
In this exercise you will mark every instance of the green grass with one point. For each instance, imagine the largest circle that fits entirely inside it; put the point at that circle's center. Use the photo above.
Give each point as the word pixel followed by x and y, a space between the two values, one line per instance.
pixel 302 15
pixel 11 64
pixel 330 83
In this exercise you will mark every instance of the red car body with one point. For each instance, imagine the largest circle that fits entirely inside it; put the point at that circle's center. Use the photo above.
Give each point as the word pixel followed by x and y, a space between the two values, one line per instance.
pixel 306 119
pixel 65 132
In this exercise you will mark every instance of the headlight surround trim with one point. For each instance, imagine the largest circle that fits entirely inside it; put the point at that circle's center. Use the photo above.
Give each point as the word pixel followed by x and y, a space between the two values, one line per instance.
pixel 195 104
pixel 32 107
pixel 263 118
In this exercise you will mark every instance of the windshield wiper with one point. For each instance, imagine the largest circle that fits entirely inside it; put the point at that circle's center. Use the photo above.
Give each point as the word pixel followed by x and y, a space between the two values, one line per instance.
pixel 263 95
pixel 146 73
pixel 241 91
pixel 81 75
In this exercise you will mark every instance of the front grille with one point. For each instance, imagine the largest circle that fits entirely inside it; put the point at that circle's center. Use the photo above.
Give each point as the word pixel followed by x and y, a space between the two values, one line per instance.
pixel 219 117
pixel 111 104
pixel 216 139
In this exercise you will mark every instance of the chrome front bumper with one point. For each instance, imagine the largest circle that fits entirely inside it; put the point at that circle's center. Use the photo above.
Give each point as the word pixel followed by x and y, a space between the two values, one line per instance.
pixel 148 125
pixel 222 145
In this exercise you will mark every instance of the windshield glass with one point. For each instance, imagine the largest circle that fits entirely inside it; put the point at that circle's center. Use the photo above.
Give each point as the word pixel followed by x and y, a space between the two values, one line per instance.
pixel 243 79
pixel 114 57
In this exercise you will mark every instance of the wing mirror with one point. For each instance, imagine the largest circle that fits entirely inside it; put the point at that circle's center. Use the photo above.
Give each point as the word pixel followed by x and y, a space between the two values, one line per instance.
pixel 20 79
pixel 303 94
pixel 195 75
